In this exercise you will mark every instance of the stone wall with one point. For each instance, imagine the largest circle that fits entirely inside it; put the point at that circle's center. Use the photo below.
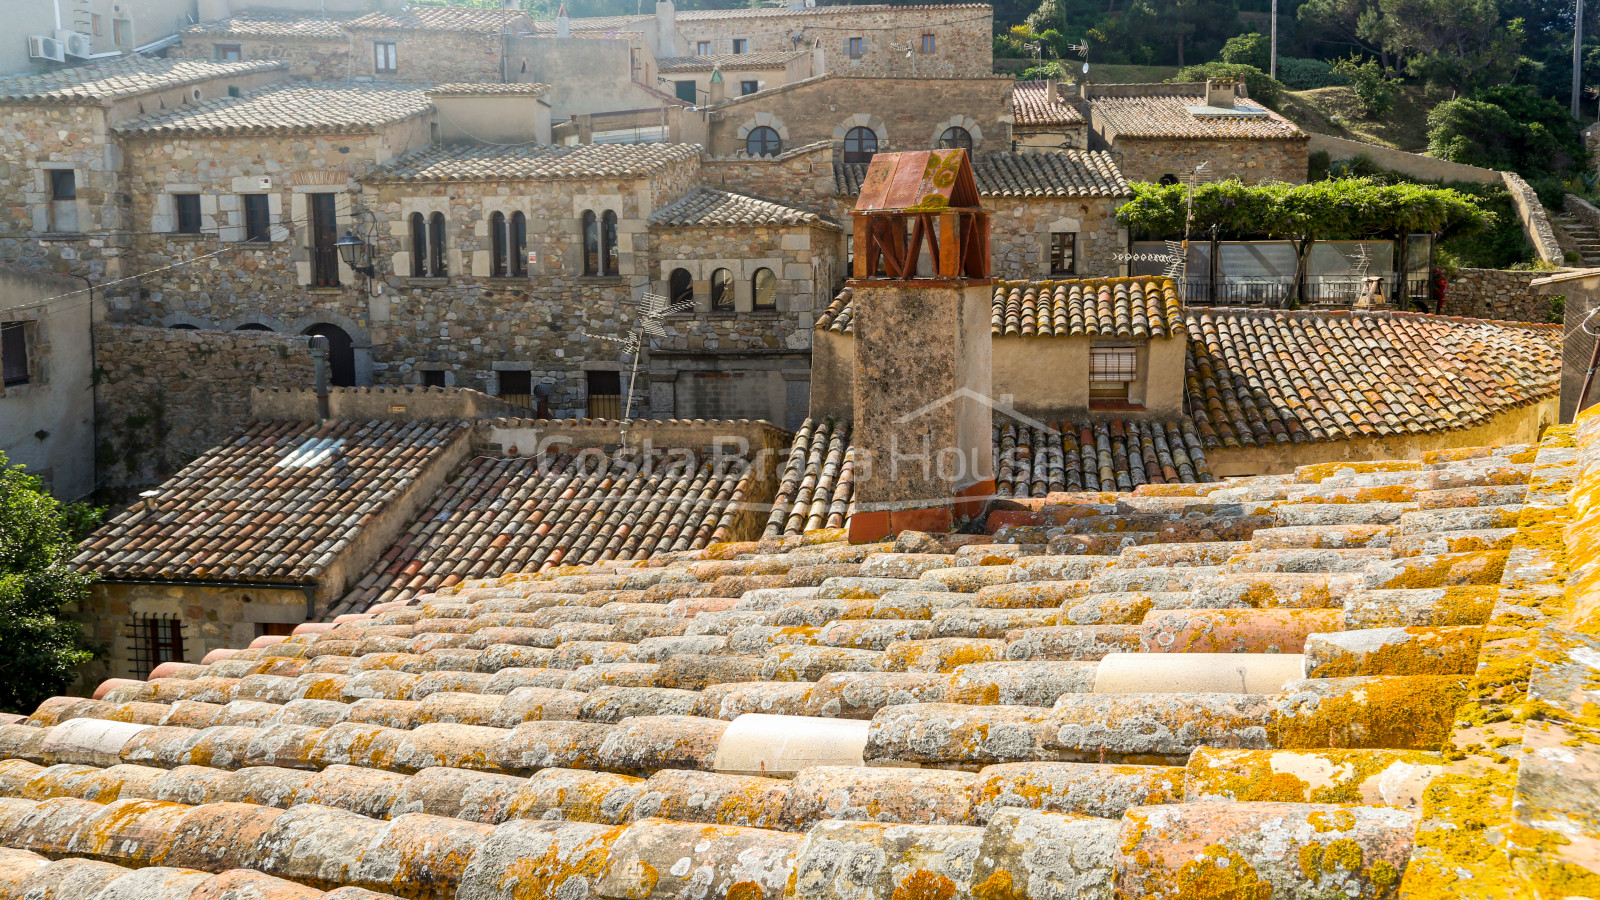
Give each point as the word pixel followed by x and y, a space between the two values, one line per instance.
pixel 1147 159
pixel 1424 168
pixel 1498 294
pixel 431 57
pixel 1582 210
pixel 312 60
pixel 963 39
pixel 1020 235
pixel 1535 221
pixel 47 424
pixel 167 395
pixel 800 177
pixel 904 113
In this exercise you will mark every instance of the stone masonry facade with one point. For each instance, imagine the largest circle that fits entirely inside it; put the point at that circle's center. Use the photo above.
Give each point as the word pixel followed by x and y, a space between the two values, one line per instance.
pixel 1499 294
pixel 313 60
pixel 165 396
pixel 1148 159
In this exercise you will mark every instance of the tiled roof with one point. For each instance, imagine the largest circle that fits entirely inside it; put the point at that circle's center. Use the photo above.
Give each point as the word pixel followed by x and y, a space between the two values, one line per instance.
pixel 292 108
pixel 1169 117
pixel 277 504
pixel 123 77
pixel 469 88
pixel 1282 686
pixel 260 26
pixel 605 23
pixel 1031 106
pixel 709 206
pixel 1064 173
pixel 1263 378
pixel 525 515
pixel 728 62
pixel 818 484
pixel 534 163
pixel 1098 307
pixel 423 17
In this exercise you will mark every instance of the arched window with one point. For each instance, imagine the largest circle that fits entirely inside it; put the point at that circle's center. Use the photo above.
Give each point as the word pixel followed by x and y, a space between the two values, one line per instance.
pixel 956 138
pixel 763 141
pixel 497 245
pixel 519 245
pixel 438 266
pixel 341 354
pixel 860 143
pixel 680 286
pixel 608 241
pixel 764 290
pixel 722 290
pixel 591 243
pixel 419 245
pixel 252 326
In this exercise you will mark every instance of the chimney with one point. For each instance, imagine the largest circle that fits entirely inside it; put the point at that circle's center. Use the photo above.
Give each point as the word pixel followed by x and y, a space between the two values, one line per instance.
pixel 563 23
pixel 1052 91
pixel 666 28
pixel 719 90
pixel 819 62
pixel 319 357
pixel 1220 92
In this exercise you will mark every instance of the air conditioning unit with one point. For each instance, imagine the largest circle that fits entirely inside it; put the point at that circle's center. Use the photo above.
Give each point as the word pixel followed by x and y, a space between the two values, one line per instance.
pixel 76 43
pixel 42 46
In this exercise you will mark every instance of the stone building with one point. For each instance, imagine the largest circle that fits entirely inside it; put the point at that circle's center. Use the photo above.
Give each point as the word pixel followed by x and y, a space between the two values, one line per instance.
pixel 47 380
pixel 1160 131
pixel 1045 116
pixel 315 48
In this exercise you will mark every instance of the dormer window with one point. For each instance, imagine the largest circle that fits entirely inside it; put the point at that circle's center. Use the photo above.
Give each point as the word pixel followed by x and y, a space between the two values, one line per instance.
pixel 1112 373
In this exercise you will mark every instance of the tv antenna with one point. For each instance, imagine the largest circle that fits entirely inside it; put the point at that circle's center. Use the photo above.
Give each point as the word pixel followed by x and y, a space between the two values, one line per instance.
pixel 906 49
pixel 653 309
pixel 1082 50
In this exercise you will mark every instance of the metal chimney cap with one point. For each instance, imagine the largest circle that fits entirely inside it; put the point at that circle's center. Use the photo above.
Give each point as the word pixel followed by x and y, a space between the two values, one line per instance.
pixel 319 344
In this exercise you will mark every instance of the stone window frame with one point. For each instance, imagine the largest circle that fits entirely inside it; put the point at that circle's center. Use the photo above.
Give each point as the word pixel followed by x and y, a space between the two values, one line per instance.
pixel 743 272
pixel 46 219
pixel 1051 263
pixel 403 262
pixel 1042 236
pixel 445 370
pixel 34 346
pixel 484 262
pixel 861 120
pixel 764 120
pixel 965 122
pixel 600 204
pixel 164 217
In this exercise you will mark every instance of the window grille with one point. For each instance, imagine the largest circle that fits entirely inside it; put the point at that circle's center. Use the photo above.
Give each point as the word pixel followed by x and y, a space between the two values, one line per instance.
pixel 1113 364
pixel 153 640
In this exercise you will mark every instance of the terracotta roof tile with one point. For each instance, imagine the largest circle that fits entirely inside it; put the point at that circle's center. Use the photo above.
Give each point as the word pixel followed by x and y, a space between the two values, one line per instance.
pixel 1031 106
pixel 1168 116
pixel 471 88
pixel 124 77
pixel 276 504
pixel 534 163
pixel 1064 173
pixel 1139 306
pixel 728 62
pixel 294 108
pixel 425 17
pixel 1265 378
pixel 709 206
pixel 262 26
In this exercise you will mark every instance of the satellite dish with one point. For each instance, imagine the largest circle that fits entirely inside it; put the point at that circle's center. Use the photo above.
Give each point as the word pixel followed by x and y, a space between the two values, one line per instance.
pixel 1085 68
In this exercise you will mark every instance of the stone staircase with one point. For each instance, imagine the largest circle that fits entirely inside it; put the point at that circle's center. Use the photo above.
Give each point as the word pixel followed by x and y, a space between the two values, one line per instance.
pixel 1584 235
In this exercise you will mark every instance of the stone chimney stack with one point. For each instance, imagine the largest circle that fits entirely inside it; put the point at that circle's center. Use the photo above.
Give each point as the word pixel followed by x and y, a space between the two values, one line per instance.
pixel 319 357
pixel 1220 92
pixel 1052 90
pixel 819 62
pixel 666 28
pixel 923 359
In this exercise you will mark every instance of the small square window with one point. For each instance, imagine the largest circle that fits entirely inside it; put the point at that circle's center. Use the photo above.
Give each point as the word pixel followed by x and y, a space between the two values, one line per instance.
pixel 227 52
pixel 186 212
pixel 119 31
pixel 741 45
pixel 257 218
pixel 927 43
pixel 1063 253
pixel 749 87
pixel 702 48
pixel 517 387
pixel 433 378
pixel 857 47
pixel 14 352
pixel 63 184
pixel 385 60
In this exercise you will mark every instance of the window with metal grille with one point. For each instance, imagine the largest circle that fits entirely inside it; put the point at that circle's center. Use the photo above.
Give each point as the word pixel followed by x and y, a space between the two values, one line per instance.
pixel 153 640
pixel 257 218
pixel 186 209
pixel 384 58
pixel 1063 252
pixel 516 387
pixel 14 353
pixel 1113 364
pixel 605 394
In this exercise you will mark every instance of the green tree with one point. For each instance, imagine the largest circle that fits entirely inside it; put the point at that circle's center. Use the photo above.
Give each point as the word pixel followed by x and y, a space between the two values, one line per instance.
pixel 1506 127
pixel 1455 44
pixel 38 538
pixel 1359 24
pixel 1262 87
pixel 1253 49
pixel 1374 90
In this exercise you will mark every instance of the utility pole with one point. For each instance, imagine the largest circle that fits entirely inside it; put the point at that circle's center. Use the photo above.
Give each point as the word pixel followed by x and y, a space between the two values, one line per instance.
pixel 1273 73
pixel 1577 58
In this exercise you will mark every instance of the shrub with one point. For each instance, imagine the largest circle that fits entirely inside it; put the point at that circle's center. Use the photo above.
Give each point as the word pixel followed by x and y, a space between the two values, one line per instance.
pixel 1263 89
pixel 1247 50
pixel 1506 127
pixel 1374 90
pixel 1307 74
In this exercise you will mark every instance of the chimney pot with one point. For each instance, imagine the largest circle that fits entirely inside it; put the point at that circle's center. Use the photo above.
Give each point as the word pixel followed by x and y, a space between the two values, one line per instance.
pixel 1220 92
